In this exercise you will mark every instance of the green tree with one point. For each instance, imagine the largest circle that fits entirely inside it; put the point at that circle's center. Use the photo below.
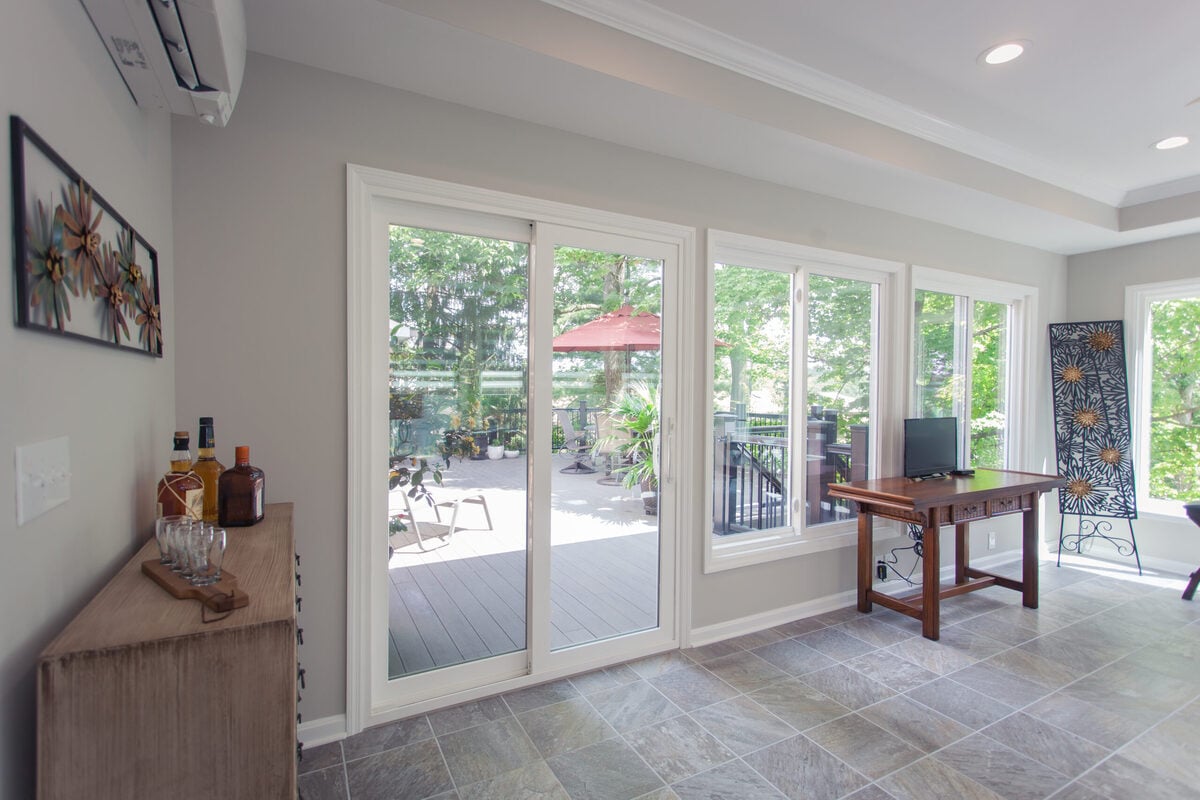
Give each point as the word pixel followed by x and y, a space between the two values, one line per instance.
pixel 467 299
pixel 752 315
pixel 840 323
pixel 1175 400
pixel 588 283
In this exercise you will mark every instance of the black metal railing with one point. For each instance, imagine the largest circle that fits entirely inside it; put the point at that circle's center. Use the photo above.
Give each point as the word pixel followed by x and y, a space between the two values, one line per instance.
pixel 751 469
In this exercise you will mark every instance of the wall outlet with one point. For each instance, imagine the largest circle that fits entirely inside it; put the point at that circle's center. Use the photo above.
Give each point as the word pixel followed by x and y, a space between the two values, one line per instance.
pixel 991 540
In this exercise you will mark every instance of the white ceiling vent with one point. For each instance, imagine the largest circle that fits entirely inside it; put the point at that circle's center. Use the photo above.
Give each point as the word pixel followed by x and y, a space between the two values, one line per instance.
pixel 185 56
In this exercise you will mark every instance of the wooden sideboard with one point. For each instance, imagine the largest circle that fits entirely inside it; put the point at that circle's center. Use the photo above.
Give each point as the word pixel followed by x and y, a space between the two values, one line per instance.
pixel 138 697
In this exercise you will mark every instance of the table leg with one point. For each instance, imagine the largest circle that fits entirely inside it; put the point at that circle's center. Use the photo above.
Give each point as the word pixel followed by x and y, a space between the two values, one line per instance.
pixel 1029 554
pixel 962 554
pixel 931 575
pixel 866 555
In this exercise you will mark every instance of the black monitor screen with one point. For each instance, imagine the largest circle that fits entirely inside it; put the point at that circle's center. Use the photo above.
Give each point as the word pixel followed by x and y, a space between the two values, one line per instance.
pixel 930 446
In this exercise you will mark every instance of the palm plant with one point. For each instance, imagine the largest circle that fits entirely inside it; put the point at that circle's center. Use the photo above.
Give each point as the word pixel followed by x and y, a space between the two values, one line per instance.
pixel 635 414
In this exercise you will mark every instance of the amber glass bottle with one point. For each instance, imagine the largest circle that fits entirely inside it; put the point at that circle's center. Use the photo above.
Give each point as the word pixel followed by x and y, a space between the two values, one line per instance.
pixel 208 468
pixel 242 493
pixel 181 491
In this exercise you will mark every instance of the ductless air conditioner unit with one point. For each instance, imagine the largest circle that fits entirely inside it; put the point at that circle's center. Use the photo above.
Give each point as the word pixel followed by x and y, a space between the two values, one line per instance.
pixel 185 56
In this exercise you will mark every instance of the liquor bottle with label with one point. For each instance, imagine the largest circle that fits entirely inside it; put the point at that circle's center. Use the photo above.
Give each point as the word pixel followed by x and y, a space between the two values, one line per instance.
pixel 242 492
pixel 208 468
pixel 181 491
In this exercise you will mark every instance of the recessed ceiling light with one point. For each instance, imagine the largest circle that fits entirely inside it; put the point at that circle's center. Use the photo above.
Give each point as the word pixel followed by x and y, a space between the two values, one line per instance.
pixel 1171 142
pixel 1003 53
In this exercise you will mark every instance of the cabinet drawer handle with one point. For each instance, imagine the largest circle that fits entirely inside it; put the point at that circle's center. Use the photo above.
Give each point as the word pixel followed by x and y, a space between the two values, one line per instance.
pixel 297 560
pixel 299 751
pixel 299 600
pixel 300 636
pixel 298 581
pixel 300 675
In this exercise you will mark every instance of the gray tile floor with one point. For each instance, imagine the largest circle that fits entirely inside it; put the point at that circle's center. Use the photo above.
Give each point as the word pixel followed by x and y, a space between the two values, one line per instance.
pixel 1094 695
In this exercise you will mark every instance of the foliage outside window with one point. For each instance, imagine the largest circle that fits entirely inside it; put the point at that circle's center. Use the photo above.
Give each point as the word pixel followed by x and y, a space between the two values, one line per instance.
pixel 777 445
pixel 1174 413
pixel 458 374
pixel 962 351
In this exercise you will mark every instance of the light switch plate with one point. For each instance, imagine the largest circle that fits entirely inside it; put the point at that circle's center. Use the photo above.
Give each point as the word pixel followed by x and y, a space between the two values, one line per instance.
pixel 43 477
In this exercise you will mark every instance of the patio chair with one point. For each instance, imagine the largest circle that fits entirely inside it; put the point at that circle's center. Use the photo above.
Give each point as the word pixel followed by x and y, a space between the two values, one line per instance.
pixel 609 439
pixel 575 443
pixel 455 505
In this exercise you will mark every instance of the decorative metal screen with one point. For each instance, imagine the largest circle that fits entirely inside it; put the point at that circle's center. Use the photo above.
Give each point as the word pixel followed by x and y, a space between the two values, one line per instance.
pixel 1092 436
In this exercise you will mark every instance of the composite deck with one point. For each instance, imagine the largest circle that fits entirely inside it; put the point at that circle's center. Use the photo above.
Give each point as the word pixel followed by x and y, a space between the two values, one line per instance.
pixel 463 599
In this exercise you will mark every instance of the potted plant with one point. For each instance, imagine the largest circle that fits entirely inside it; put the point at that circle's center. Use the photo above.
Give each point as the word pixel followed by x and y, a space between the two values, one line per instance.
pixel 516 443
pixel 635 414
pixel 458 442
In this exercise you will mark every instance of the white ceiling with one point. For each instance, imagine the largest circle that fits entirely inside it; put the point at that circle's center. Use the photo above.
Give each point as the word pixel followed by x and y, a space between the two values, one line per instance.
pixel 878 102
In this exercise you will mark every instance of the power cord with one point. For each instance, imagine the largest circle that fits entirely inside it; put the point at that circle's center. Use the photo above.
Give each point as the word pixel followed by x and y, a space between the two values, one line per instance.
pixel 886 566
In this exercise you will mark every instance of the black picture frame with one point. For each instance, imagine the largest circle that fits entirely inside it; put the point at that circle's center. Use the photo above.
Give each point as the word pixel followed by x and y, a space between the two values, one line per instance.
pixel 52 295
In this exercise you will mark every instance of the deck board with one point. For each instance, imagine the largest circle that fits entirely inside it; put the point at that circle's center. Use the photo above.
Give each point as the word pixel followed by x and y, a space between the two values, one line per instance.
pixel 462 597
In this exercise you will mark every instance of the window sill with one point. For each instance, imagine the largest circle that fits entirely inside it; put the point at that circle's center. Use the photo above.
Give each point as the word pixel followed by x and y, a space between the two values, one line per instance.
pixel 721 556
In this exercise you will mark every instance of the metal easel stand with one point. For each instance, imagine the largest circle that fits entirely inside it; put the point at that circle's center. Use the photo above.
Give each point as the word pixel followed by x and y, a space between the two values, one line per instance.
pixel 1090 529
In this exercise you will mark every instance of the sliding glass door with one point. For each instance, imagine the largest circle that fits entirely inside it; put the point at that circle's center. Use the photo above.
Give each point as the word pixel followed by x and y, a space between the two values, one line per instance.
pixel 528 524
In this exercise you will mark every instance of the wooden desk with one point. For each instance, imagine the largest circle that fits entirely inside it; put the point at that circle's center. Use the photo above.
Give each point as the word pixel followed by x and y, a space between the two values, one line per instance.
pixel 944 501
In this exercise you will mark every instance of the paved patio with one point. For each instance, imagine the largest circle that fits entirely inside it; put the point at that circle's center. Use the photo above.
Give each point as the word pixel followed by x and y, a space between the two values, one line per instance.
pixel 462 598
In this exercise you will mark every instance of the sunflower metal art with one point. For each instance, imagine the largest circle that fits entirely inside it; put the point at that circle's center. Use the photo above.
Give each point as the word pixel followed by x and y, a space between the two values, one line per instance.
pixel 133 277
pixel 1092 437
pixel 148 320
pixel 81 236
pixel 50 278
pixel 108 289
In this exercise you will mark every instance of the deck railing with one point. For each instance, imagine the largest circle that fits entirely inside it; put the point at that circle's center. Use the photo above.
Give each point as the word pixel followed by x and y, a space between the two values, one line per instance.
pixel 751 466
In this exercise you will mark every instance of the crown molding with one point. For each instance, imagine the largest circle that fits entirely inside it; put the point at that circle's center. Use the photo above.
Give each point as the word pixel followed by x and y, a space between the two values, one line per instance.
pixel 1162 191
pixel 667 29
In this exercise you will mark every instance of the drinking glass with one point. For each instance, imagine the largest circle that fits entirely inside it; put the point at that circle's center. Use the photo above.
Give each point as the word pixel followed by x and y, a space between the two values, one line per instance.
pixel 208 551
pixel 177 536
pixel 161 536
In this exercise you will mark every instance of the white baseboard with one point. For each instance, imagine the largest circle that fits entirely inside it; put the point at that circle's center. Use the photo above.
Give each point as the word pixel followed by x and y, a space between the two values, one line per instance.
pixel 323 731
pixel 778 616
pixel 769 619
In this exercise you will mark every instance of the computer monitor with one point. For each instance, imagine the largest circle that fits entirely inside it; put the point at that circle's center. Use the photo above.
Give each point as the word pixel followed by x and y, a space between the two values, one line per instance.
pixel 930 446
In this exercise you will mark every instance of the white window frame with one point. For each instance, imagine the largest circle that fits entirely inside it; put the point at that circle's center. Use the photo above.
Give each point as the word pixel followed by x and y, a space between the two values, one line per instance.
pixel 1140 350
pixel 1023 339
pixel 370 698
pixel 724 247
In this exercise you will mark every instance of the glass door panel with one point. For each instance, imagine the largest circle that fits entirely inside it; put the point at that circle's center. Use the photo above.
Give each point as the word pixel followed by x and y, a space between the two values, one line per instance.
pixel 842 315
pixel 606 384
pixel 459 342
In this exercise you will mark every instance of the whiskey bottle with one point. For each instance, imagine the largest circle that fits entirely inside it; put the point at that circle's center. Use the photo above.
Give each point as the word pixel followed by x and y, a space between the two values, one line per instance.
pixel 180 491
pixel 242 493
pixel 208 468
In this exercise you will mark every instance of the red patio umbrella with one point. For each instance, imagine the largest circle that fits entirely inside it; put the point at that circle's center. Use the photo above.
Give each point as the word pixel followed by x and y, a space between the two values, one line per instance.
pixel 623 329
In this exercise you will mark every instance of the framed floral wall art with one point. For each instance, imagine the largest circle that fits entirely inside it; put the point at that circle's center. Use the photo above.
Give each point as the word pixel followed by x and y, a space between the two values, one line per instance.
pixel 82 271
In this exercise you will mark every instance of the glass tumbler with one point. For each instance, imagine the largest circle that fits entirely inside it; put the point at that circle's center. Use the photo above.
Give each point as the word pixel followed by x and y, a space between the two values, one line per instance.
pixel 208 551
pixel 161 536
pixel 177 536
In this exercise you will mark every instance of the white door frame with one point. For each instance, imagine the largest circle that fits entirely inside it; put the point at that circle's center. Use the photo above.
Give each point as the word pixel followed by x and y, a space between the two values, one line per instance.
pixel 367 191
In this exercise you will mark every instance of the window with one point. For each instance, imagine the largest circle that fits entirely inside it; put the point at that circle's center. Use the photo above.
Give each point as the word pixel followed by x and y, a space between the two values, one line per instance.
pixel 1165 361
pixel 794 390
pixel 964 349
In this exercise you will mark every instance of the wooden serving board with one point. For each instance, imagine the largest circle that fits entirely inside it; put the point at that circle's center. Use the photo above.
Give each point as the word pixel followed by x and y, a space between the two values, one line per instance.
pixel 220 596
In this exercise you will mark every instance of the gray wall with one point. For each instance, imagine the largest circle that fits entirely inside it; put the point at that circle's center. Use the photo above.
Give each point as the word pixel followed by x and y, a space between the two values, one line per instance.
pixel 1098 282
pixel 117 408
pixel 261 241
